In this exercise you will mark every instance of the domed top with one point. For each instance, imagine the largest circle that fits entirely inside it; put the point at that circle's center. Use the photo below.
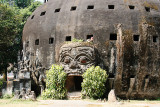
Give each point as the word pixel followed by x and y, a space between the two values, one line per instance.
pixel 63 17
pixel 58 21
pixel 124 35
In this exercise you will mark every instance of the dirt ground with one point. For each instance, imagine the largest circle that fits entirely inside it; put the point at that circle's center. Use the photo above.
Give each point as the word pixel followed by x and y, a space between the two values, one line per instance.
pixel 77 103
pixel 90 103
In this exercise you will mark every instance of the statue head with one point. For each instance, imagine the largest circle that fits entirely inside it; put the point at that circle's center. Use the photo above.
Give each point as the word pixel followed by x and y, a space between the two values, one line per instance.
pixel 76 58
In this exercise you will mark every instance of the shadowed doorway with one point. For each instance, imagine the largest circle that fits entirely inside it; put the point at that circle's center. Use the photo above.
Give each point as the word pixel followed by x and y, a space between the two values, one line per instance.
pixel 73 83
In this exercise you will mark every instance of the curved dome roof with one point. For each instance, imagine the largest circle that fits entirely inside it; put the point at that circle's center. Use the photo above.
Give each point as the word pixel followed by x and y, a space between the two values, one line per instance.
pixel 74 16
pixel 126 36
pixel 63 20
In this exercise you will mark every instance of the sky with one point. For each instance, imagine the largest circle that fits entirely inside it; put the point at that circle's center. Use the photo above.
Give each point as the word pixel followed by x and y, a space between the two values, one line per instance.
pixel 40 0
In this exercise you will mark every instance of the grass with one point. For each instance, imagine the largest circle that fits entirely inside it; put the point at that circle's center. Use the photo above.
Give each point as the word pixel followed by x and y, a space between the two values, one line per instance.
pixel 17 103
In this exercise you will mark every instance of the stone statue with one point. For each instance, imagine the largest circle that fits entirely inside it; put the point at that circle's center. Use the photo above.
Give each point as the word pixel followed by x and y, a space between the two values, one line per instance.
pixel 25 95
pixel 17 94
pixel 112 96
pixel 22 93
pixel 32 96
pixel 76 58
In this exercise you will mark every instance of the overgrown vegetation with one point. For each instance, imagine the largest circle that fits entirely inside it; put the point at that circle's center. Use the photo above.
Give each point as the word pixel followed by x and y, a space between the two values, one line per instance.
pixel 1 83
pixel 76 40
pixel 93 85
pixel 7 96
pixel 55 83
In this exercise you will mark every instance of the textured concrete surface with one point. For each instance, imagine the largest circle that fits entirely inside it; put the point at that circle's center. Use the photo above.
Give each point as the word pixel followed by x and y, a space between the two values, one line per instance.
pixel 126 36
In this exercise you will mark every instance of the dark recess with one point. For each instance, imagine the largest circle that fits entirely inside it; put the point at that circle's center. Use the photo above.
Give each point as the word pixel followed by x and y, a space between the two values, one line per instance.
pixel 110 6
pixel 89 36
pixel 27 44
pixel 73 8
pixel 155 38
pixel 57 10
pixel 78 80
pixel 32 17
pixel 90 7
pixel 68 38
pixel 43 13
pixel 147 76
pixel 136 37
pixel 147 9
pixel 37 42
pixel 51 40
pixel 111 75
pixel 113 36
pixel 131 7
pixel 132 76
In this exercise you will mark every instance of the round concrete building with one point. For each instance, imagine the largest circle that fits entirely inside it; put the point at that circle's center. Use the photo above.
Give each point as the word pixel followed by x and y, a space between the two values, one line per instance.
pixel 121 36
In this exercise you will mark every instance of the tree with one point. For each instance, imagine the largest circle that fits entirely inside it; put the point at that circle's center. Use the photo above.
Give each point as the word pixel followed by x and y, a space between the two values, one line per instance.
pixel 23 3
pixel 26 12
pixel 18 3
pixel 12 21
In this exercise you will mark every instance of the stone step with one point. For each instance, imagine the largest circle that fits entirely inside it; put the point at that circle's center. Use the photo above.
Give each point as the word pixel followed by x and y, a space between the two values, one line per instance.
pixel 74 95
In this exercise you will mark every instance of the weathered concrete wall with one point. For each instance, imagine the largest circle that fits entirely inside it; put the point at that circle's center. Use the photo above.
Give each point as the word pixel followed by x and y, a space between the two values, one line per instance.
pixel 131 57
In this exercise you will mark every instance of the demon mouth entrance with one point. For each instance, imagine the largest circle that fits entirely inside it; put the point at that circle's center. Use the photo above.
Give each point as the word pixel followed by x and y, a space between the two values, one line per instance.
pixel 73 83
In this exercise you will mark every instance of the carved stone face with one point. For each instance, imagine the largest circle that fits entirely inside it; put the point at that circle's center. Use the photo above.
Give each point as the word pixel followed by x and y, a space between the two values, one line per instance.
pixel 76 58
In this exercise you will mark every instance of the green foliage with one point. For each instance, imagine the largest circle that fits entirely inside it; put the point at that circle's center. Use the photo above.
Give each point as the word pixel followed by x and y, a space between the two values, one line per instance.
pixel 7 96
pixel 23 3
pixel 93 85
pixel 26 12
pixel 9 2
pixel 12 20
pixel 77 40
pixel 1 83
pixel 55 83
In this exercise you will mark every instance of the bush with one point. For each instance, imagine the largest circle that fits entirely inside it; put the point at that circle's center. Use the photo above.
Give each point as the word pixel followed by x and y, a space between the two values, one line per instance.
pixel 77 40
pixel 55 83
pixel 1 83
pixel 7 96
pixel 93 85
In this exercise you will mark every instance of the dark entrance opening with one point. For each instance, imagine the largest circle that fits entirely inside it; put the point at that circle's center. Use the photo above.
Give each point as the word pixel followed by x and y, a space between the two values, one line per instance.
pixel 73 83
pixel 78 80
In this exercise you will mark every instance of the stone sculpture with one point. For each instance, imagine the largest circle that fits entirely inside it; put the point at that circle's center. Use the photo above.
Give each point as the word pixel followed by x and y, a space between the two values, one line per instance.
pixel 76 58
pixel 17 94
pixel 25 95
pixel 112 96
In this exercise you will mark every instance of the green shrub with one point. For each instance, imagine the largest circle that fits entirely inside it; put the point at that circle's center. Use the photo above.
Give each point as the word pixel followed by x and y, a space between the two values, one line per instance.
pixel 7 96
pixel 1 83
pixel 77 40
pixel 55 83
pixel 93 85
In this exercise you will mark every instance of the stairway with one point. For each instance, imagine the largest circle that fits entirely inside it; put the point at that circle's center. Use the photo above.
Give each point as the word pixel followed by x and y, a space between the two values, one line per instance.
pixel 75 95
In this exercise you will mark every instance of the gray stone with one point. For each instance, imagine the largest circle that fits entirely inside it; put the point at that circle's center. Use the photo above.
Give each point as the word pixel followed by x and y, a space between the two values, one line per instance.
pixel 76 58
pixel 112 96
pixel 125 35
pixel 32 96
pixel 17 94
pixel 25 95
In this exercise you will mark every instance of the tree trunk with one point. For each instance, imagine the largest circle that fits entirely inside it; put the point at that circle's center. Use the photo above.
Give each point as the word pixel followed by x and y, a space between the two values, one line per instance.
pixel 5 75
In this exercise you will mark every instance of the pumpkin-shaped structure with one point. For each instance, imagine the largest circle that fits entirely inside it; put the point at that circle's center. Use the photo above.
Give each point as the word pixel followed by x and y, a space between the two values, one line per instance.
pixel 122 35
